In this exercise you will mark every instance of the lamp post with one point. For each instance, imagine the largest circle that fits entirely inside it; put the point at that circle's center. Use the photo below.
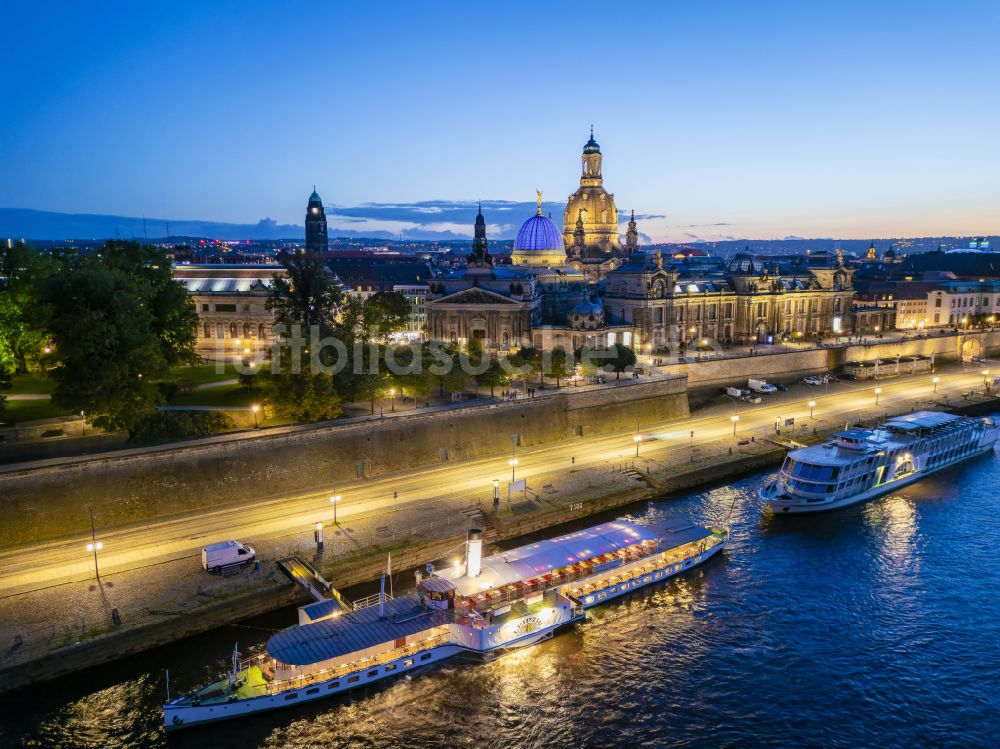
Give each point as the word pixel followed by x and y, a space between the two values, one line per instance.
pixel 392 399
pixel 496 494
pixel 334 500
pixel 735 419
pixel 94 546
pixel 935 380
pixel 877 392
pixel 986 379
pixel 812 405
pixel 692 438
pixel 319 538
pixel 513 459
pixel 637 439
pixel 255 408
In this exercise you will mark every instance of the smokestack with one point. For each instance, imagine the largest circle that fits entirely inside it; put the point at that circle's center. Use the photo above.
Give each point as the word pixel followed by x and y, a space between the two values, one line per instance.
pixel 474 553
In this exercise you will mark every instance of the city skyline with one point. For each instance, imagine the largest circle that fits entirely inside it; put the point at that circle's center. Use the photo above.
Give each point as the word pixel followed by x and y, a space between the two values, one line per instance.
pixel 708 129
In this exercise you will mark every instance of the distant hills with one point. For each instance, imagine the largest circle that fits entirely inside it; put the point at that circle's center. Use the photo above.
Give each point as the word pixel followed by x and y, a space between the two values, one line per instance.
pixel 446 217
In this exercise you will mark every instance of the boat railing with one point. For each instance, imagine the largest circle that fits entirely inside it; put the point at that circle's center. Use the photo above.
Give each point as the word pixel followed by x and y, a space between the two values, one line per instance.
pixel 369 601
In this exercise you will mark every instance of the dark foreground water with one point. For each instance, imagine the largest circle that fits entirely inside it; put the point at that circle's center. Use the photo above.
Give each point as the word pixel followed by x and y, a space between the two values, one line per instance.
pixel 877 625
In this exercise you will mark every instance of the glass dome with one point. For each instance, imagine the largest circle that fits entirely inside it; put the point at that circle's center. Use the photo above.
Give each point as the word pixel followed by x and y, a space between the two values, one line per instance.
pixel 538 233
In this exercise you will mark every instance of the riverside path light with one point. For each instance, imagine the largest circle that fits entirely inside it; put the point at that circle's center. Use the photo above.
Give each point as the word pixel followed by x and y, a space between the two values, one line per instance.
pixel 812 405
pixel 94 546
pixel 877 392
pixel 255 408
pixel 935 380
pixel 335 500
pixel 986 379
pixel 637 439
pixel 735 419
pixel 496 494
pixel 392 399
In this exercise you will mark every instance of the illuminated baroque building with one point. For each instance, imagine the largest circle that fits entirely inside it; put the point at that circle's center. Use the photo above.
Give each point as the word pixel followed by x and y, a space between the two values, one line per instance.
pixel 590 224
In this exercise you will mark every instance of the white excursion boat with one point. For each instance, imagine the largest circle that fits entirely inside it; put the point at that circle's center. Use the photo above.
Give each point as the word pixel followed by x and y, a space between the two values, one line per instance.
pixel 483 607
pixel 859 464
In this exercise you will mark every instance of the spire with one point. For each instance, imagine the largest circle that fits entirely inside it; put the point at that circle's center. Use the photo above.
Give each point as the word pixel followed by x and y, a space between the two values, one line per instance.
pixel 479 244
pixel 631 236
pixel 538 200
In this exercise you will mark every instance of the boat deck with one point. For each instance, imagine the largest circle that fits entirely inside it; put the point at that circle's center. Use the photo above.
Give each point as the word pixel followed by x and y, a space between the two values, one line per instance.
pixel 253 683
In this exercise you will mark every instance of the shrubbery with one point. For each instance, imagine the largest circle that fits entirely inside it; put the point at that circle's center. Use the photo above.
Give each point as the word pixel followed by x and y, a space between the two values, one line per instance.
pixel 167 426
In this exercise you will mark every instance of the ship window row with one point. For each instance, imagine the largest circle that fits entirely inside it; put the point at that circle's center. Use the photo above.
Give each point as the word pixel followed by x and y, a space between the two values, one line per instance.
pixel 811 472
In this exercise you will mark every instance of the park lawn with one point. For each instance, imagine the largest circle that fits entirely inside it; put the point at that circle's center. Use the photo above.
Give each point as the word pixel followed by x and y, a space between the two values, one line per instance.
pixel 204 374
pixel 32 383
pixel 224 397
pixel 18 411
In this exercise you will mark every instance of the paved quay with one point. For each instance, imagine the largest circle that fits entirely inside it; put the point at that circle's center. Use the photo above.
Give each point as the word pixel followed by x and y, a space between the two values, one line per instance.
pixel 151 574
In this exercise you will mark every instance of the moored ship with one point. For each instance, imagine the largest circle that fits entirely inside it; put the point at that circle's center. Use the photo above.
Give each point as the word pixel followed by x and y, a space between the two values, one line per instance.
pixel 859 464
pixel 483 607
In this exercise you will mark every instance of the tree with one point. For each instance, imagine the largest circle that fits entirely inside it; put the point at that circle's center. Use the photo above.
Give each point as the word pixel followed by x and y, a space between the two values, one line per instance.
pixel 560 364
pixel 300 397
pixel 494 376
pixel 119 322
pixel 5 384
pixel 529 361
pixel 621 359
pixel 23 316
pixel 307 295
pixel 384 313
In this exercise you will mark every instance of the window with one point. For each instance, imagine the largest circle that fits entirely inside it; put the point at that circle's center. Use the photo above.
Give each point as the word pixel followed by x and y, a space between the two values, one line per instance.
pixel 204 308
pixel 408 662
pixel 333 685
pixel 390 667
pixel 425 656
pixel 225 307
pixel 937 302
pixel 246 330
pixel 373 672
pixel 232 330
pixel 260 331
pixel 220 332
pixel 314 690
pixel 291 695
pixel 208 330
pixel 353 679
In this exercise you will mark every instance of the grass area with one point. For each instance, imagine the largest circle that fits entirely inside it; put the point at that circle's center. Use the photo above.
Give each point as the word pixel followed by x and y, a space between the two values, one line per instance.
pixel 204 374
pixel 223 397
pixel 33 382
pixel 18 411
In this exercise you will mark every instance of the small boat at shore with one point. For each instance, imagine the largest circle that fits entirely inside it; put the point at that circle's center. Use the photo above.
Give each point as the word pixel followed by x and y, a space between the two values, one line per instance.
pixel 482 607
pixel 859 464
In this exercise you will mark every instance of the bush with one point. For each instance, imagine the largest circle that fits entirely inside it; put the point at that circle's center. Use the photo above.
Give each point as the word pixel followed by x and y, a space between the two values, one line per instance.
pixel 167 426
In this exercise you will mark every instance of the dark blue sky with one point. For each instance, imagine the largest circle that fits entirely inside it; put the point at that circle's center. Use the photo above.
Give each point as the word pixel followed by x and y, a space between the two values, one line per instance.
pixel 728 119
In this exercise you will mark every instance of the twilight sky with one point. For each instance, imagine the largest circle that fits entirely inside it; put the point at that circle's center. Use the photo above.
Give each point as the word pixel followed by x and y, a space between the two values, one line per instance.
pixel 728 119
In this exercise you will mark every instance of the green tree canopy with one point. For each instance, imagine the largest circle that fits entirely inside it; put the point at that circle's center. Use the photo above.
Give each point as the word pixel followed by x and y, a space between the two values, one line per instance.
pixel 307 295
pixel 119 321
pixel 23 315
pixel 621 358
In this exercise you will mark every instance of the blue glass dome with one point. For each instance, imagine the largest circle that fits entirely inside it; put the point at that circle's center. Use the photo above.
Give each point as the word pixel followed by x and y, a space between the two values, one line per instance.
pixel 743 263
pixel 539 233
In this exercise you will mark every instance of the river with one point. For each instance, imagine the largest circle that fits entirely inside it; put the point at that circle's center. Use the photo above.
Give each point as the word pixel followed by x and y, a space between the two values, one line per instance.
pixel 873 625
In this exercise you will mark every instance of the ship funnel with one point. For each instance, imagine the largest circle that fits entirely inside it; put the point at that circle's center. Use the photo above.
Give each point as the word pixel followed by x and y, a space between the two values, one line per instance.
pixel 474 553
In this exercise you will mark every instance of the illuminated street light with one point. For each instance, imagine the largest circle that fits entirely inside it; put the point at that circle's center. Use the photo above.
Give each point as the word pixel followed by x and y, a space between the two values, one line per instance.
pixel 935 380
pixel 334 500
pixel 734 418
pixel 496 494
pixel 513 467
pixel 255 408
pixel 392 399
pixel 812 405
pixel 986 379
pixel 877 391
pixel 637 439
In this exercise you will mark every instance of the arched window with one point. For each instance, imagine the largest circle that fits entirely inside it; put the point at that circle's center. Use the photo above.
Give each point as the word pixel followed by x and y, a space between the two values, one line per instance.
pixel 208 330
pixel 219 331
pixel 246 330
pixel 232 330
pixel 260 331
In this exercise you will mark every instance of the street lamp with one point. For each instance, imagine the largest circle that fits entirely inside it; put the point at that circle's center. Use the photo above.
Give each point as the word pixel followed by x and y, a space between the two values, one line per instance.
pixel 496 494
pixel 637 439
pixel 734 418
pixel 812 405
pixel 334 500
pixel 986 378
pixel 255 408
pixel 94 546
pixel 935 380
pixel 392 399
pixel 877 391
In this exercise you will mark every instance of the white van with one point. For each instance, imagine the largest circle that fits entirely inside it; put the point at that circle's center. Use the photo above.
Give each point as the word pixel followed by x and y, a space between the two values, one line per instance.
pixel 226 554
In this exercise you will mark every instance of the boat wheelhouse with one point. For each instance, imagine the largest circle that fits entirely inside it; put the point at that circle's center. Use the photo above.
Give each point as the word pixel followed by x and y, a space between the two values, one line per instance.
pixel 484 606
pixel 858 464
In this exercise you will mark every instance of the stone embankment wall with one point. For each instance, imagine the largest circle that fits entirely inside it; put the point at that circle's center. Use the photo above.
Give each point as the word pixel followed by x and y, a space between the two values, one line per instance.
pixel 785 366
pixel 48 502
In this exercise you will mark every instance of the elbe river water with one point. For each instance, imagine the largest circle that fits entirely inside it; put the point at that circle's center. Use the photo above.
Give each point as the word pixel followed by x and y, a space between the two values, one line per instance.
pixel 876 625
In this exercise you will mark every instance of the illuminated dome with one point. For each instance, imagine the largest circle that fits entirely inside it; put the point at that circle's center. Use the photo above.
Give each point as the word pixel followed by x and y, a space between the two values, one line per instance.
pixel 539 233
pixel 745 264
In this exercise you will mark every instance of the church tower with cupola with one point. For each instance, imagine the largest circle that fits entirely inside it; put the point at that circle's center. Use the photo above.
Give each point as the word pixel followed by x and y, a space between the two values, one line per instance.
pixel 316 240
pixel 631 236
pixel 595 206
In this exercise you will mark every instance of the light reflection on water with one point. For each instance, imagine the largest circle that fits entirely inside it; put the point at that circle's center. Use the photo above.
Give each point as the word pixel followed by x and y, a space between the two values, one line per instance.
pixel 876 624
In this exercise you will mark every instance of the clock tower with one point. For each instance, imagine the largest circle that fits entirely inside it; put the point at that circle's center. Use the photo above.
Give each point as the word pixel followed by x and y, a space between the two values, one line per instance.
pixel 316 240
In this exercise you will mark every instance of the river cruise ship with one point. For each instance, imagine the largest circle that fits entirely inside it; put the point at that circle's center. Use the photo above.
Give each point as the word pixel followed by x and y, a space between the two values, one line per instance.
pixel 858 464
pixel 482 607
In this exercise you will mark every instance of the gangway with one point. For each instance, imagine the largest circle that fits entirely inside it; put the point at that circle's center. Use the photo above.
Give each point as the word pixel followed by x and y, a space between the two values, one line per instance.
pixel 305 574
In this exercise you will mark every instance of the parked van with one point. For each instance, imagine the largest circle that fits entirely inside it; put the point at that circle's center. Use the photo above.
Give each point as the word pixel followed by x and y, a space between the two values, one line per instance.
pixel 760 386
pixel 226 554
